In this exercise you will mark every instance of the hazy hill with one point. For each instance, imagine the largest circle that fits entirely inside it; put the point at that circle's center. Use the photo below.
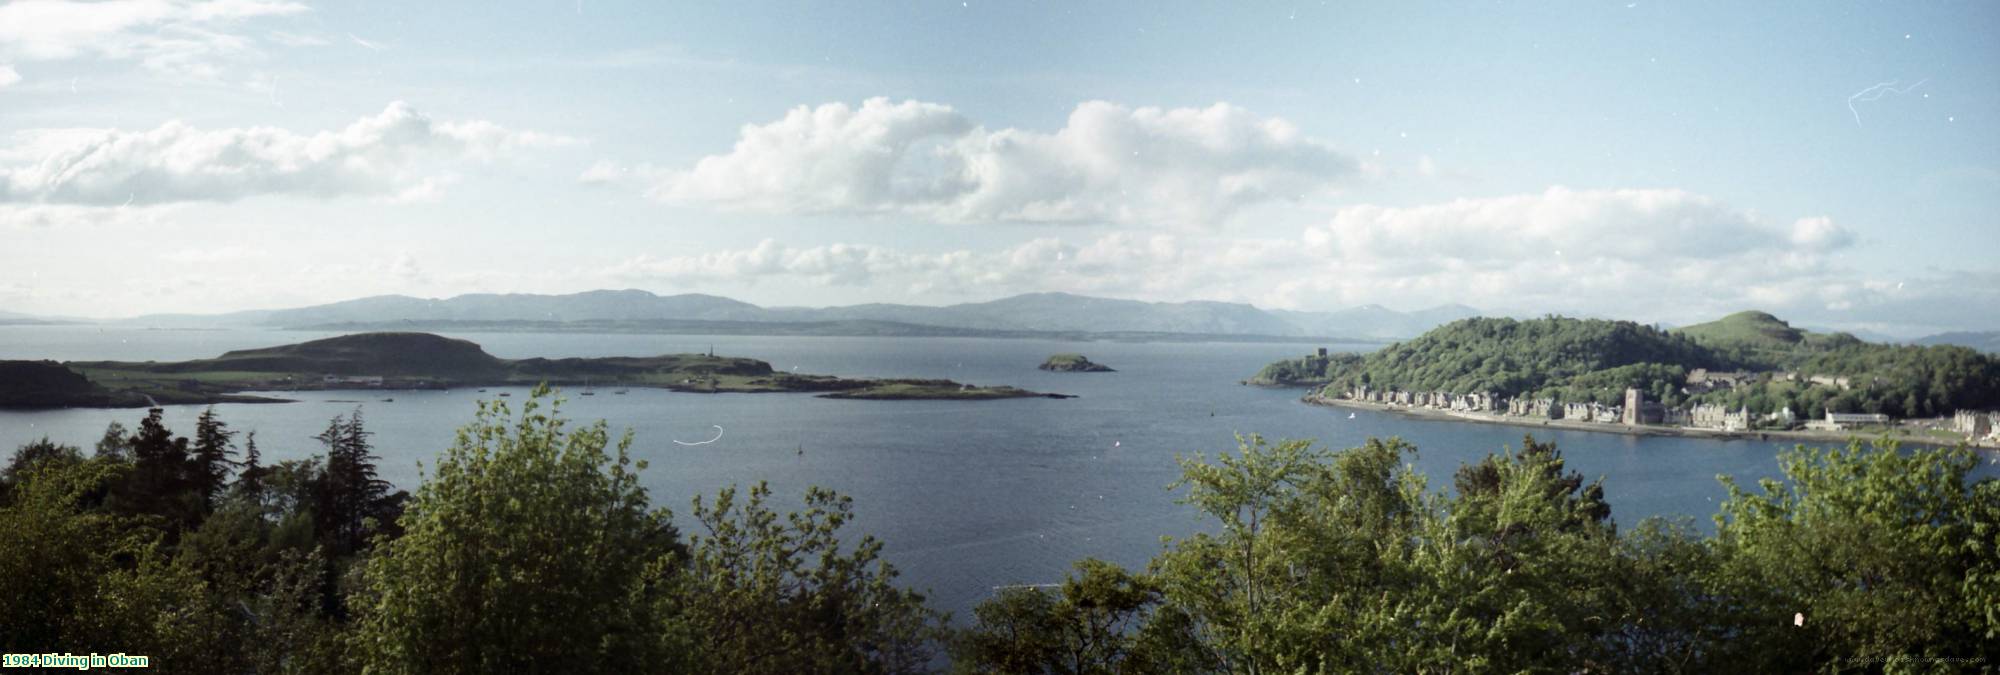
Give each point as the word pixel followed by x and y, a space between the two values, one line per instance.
pixel 1985 341
pixel 1034 312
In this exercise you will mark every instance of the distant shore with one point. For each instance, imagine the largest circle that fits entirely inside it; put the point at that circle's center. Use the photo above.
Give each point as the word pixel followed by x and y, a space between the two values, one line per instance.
pixel 1647 430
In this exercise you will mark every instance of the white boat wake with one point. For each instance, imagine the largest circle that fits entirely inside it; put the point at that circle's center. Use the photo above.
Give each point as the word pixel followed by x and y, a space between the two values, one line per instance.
pixel 718 436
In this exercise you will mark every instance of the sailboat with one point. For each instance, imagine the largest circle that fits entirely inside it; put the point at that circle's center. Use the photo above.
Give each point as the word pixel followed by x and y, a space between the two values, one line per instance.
pixel 586 388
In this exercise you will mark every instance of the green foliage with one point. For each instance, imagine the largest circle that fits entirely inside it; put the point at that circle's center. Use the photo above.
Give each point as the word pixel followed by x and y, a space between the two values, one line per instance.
pixel 36 456
pixel 1101 620
pixel 523 553
pixel 764 593
pixel 1305 370
pixel 1882 553
pixel 1343 562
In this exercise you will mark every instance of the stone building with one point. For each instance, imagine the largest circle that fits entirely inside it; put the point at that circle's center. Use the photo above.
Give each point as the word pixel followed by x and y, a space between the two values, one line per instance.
pixel 1975 425
pixel 1711 416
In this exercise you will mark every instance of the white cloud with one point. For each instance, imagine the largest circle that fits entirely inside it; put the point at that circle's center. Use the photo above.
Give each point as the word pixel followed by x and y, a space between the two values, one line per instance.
pixel 1109 163
pixel 9 76
pixel 1605 252
pixel 1581 224
pixel 29 216
pixel 179 37
pixel 175 162
pixel 290 39
pixel 228 253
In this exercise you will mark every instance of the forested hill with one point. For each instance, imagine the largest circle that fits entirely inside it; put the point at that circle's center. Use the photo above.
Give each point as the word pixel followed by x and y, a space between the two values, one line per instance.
pixel 1511 357
pixel 1595 360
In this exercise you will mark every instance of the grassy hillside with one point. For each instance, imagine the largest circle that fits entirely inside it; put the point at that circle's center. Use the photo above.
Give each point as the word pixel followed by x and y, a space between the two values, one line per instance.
pixel 1758 340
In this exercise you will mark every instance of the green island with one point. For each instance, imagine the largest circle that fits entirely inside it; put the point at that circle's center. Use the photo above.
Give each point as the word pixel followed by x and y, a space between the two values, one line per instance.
pixel 391 361
pixel 1074 363
pixel 1746 372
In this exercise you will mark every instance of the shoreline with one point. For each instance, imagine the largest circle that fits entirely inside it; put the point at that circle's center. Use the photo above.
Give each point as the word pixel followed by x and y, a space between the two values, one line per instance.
pixel 1599 427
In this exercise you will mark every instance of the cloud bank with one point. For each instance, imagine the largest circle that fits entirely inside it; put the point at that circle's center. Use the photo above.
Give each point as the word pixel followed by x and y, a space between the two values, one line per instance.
pixel 174 37
pixel 1108 164
pixel 382 154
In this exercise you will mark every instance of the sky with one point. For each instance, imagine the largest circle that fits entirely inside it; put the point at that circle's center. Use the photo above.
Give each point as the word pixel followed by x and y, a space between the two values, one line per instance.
pixel 1835 163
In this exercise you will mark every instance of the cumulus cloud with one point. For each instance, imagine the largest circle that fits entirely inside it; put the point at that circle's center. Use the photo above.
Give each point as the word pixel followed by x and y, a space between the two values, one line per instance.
pixel 1621 224
pixel 9 76
pixel 176 162
pixel 1606 252
pixel 1108 163
pixel 179 37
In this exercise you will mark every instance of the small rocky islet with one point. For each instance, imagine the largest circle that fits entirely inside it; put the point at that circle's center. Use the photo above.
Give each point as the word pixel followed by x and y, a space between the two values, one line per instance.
pixel 1074 363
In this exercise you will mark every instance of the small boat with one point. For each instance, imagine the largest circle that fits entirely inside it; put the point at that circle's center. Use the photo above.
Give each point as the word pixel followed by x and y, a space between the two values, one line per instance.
pixel 505 394
pixel 1350 415
pixel 388 400
pixel 620 392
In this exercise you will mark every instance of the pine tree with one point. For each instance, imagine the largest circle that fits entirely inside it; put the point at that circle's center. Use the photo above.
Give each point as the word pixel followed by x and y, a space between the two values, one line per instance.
pixel 351 490
pixel 250 479
pixel 209 471
pixel 158 484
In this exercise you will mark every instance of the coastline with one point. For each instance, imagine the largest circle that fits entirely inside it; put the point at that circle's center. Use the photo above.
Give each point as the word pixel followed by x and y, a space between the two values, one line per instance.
pixel 1313 398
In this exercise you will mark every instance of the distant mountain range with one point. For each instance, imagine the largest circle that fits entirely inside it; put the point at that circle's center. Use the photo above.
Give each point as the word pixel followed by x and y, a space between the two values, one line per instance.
pixel 1020 315
pixel 1985 341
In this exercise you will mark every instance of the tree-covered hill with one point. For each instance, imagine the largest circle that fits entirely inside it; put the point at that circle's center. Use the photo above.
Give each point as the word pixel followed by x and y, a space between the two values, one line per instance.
pixel 38 383
pixel 420 354
pixel 1512 358
pixel 1596 360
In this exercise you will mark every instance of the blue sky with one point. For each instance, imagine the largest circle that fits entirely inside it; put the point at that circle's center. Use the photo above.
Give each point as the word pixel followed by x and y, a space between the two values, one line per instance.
pixel 1836 163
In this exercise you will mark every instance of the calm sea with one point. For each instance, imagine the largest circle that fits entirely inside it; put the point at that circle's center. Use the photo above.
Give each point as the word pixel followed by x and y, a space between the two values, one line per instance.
pixel 967 495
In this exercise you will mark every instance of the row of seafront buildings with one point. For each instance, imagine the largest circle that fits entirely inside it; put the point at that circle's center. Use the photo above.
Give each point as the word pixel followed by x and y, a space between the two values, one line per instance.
pixel 1637 411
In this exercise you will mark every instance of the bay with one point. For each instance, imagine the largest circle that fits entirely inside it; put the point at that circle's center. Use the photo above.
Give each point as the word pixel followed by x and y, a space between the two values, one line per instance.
pixel 967 495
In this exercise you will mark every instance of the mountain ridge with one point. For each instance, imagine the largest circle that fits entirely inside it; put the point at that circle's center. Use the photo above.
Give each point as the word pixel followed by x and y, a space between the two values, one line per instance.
pixel 1046 312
